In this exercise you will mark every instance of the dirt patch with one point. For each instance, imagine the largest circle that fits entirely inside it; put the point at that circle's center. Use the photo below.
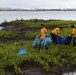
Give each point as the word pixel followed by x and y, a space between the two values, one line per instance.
pixel 34 71
pixel 19 30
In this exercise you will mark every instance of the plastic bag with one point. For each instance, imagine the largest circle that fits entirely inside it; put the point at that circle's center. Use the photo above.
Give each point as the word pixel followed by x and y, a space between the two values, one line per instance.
pixel 22 52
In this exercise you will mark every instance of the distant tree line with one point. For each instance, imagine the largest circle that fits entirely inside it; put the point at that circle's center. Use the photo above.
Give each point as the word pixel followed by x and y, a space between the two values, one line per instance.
pixel 7 9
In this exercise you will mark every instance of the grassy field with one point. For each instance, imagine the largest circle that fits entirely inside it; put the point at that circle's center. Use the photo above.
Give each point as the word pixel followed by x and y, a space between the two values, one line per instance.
pixel 57 59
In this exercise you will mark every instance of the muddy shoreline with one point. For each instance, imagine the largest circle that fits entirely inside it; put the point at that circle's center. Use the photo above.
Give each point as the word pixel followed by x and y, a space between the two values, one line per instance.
pixel 34 69
pixel 20 30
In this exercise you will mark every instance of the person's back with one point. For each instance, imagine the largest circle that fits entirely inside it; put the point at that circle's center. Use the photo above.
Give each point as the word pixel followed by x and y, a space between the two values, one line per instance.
pixel 56 31
pixel 54 34
pixel 43 33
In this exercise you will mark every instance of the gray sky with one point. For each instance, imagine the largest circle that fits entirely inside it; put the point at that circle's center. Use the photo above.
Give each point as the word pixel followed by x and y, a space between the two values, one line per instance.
pixel 32 4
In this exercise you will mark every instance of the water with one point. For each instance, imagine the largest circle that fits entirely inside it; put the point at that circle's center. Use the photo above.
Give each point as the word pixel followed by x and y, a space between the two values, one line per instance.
pixel 1 28
pixel 70 73
pixel 13 15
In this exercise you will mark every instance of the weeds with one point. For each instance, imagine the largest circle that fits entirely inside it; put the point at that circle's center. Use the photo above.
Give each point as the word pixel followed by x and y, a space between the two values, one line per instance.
pixel 55 59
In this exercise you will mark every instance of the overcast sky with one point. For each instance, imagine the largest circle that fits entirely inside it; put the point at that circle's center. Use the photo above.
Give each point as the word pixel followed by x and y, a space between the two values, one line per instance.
pixel 32 4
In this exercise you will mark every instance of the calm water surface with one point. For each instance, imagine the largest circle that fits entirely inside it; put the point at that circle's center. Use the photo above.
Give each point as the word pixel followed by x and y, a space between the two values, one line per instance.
pixel 13 15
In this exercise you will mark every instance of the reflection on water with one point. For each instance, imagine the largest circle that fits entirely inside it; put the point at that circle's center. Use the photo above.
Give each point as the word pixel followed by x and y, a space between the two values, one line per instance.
pixel 70 73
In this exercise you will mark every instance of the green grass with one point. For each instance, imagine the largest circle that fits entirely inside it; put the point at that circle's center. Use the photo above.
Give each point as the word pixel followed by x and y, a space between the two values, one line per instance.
pixel 7 34
pixel 55 59
pixel 36 24
pixel 31 35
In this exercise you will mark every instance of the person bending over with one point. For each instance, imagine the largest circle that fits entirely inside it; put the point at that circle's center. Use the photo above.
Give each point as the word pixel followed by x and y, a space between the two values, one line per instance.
pixel 54 34
pixel 43 34
pixel 74 34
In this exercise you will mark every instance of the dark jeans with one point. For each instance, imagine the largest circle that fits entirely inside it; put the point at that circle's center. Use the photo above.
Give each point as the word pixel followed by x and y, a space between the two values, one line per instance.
pixel 74 41
pixel 54 38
